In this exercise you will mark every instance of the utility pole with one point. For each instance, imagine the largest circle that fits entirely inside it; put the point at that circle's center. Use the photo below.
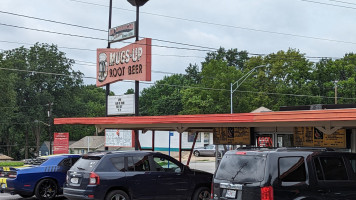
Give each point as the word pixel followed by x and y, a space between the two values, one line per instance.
pixel 335 91
pixel 50 127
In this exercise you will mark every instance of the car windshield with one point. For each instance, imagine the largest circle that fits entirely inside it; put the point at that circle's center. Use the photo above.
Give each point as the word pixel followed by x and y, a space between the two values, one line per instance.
pixel 241 168
pixel 86 164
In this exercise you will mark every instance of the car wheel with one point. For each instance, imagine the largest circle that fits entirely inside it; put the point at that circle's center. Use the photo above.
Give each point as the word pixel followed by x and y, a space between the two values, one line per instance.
pixel 25 196
pixel 196 153
pixel 46 189
pixel 202 193
pixel 117 195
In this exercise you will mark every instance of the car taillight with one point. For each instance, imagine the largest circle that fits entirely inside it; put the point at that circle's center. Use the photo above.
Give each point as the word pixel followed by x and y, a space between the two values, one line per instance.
pixel 94 179
pixel 13 175
pixel 212 191
pixel 267 193
pixel 67 177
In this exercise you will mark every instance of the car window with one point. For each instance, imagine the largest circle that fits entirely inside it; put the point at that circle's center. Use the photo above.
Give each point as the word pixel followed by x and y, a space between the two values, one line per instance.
pixel 86 163
pixel 333 168
pixel 319 172
pixel 209 147
pixel 66 162
pixel 241 168
pixel 111 165
pixel 353 163
pixel 292 169
pixel 166 165
pixel 138 163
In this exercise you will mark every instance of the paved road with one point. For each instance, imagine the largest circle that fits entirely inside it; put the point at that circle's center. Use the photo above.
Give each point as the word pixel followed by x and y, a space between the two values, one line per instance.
pixel 204 166
pixel 17 197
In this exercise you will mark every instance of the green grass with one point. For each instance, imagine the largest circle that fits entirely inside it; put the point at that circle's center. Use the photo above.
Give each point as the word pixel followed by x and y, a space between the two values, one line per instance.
pixel 11 164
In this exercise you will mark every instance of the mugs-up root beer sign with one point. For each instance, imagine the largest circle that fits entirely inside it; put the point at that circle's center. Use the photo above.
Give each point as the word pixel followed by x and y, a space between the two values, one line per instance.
pixel 132 62
pixel 232 135
pixel 312 137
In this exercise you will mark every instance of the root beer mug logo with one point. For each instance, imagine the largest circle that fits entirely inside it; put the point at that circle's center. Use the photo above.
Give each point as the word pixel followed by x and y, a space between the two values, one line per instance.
pixel 103 67
pixel 132 62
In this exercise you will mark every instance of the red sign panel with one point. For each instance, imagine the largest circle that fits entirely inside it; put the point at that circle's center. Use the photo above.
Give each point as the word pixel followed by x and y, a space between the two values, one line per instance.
pixel 61 143
pixel 132 62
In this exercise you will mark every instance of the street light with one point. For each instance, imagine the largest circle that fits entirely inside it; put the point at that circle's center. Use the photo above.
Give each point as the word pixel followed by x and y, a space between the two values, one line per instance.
pixel 137 2
pixel 38 121
pixel 240 81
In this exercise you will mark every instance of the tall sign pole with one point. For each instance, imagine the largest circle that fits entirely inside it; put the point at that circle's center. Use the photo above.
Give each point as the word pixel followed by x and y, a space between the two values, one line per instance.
pixel 137 83
pixel 137 3
pixel 107 91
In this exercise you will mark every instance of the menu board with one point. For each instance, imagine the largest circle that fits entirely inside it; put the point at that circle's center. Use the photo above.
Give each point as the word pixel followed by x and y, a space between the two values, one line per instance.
pixel 232 135
pixel 312 137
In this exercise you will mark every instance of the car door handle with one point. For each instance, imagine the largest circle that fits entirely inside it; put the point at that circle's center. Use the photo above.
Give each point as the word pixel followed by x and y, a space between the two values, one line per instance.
pixel 322 191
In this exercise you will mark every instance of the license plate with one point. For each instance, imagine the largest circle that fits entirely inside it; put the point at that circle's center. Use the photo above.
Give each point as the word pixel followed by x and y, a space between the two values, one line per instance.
pixel 3 185
pixel 74 180
pixel 230 194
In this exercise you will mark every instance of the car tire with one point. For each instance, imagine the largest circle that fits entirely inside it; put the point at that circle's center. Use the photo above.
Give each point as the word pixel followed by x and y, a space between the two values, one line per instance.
pixel 25 196
pixel 46 189
pixel 196 153
pixel 117 195
pixel 202 193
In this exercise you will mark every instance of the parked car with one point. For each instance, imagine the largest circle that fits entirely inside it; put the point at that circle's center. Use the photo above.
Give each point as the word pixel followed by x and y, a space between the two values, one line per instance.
pixel 135 175
pixel 286 174
pixel 208 150
pixel 44 179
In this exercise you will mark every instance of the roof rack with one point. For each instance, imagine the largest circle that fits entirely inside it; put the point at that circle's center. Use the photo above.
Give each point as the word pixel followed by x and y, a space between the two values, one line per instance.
pixel 305 149
pixel 258 148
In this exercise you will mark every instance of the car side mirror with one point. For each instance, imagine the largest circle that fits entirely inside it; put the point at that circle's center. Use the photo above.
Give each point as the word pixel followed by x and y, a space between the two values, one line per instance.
pixel 185 168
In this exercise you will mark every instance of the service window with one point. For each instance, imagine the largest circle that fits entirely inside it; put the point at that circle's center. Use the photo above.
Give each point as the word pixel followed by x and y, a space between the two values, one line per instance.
pixel 166 165
pixel 330 168
pixel 292 169
pixel 138 163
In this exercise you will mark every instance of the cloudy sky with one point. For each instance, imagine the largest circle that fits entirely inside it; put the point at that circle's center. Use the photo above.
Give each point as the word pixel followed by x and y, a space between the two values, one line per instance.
pixel 318 28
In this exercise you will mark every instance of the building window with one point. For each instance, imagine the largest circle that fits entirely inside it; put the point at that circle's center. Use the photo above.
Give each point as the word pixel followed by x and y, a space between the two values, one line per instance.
pixel 191 137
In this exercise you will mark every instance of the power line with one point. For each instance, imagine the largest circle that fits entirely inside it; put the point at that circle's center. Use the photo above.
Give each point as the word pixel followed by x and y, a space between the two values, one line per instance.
pixel 183 56
pixel 182 86
pixel 53 32
pixel 343 2
pixel 329 4
pixel 85 27
pixel 228 26
pixel 179 43
pixel 52 21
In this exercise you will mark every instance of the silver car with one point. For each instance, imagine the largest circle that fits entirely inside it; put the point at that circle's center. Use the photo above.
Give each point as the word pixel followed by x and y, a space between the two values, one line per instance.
pixel 208 150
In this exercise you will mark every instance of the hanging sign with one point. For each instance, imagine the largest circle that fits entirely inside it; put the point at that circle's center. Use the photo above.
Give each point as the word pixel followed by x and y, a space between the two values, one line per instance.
pixel 232 135
pixel 312 137
pixel 121 105
pixel 118 138
pixel 122 32
pixel 132 62
pixel 61 143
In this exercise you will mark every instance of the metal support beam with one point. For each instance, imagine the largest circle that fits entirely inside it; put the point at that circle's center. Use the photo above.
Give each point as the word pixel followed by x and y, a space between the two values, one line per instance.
pixel 180 147
pixel 191 150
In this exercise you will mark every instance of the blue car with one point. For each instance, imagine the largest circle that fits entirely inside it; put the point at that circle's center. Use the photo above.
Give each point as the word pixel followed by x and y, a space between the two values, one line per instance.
pixel 44 179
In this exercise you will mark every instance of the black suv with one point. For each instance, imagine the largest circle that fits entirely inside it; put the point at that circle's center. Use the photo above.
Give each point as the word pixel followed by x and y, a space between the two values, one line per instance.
pixel 286 173
pixel 120 175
